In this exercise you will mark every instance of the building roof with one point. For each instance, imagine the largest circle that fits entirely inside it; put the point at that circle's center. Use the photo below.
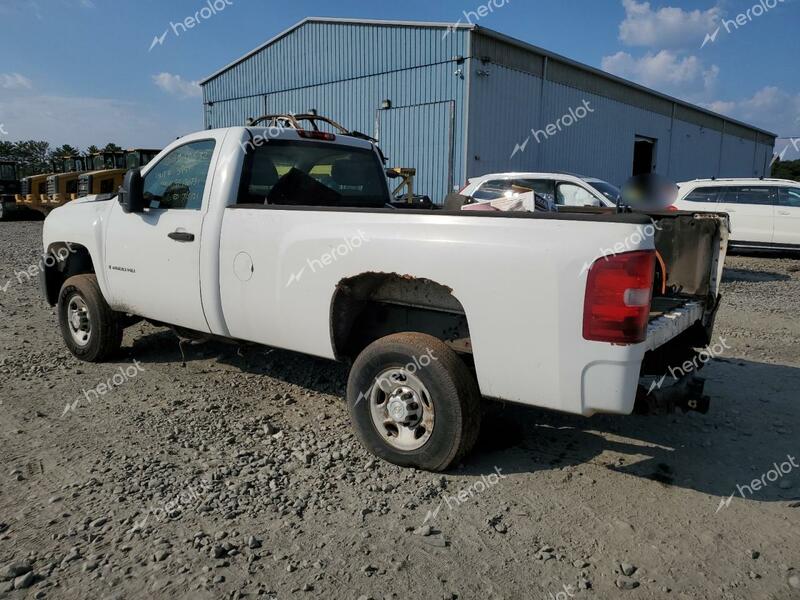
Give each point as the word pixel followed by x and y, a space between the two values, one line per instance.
pixel 492 34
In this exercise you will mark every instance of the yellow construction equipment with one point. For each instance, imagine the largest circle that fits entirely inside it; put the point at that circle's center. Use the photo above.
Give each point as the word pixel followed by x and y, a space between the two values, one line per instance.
pixel 406 175
pixel 33 191
pixel 108 169
pixel 63 187
pixel 9 187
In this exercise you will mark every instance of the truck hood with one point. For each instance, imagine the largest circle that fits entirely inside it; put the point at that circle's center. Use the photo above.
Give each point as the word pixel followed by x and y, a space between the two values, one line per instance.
pixel 93 198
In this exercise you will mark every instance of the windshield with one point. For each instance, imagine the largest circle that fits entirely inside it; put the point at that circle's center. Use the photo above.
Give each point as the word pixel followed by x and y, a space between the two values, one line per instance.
pixel 611 192
pixel 7 173
pixel 313 174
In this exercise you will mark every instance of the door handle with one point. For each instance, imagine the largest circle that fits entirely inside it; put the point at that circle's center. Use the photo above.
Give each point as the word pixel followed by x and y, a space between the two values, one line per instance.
pixel 181 236
pixel 785 213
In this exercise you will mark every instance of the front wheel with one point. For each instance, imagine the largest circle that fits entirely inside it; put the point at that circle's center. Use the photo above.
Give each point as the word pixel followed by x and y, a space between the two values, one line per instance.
pixel 413 402
pixel 91 330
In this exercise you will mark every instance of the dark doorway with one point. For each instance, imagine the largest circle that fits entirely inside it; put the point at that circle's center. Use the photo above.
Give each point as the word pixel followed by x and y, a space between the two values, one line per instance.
pixel 644 151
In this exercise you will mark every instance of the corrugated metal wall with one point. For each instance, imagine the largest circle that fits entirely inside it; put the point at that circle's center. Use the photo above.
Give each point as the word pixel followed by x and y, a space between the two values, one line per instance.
pixel 346 71
pixel 433 77
pixel 509 99
pixel 601 144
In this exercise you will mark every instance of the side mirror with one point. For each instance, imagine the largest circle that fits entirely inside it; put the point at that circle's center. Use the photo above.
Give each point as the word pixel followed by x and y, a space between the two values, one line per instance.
pixel 131 193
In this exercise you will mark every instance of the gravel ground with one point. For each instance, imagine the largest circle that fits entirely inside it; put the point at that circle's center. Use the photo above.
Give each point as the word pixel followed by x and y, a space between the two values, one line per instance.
pixel 238 476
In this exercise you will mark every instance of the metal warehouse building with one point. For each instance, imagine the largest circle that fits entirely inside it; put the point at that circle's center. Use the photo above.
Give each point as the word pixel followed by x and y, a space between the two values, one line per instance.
pixel 457 101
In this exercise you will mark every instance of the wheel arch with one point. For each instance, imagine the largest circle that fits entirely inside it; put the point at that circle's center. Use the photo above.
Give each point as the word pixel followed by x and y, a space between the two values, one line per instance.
pixel 61 261
pixel 372 305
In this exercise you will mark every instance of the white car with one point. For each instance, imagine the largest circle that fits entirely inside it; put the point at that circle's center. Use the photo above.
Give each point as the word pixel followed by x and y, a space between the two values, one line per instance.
pixel 562 189
pixel 764 213
pixel 293 243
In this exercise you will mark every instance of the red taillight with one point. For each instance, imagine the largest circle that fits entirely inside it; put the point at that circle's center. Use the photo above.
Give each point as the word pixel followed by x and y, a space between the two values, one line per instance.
pixel 317 135
pixel 619 289
pixel 673 207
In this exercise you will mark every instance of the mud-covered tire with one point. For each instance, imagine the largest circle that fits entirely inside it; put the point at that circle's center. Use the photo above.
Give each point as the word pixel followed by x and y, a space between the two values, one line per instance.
pixel 81 295
pixel 449 386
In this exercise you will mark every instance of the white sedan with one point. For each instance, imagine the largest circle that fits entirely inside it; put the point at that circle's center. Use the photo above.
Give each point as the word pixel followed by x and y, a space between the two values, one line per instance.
pixel 563 189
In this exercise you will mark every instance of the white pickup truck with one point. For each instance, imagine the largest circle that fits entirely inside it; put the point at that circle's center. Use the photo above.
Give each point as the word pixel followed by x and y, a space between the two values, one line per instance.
pixel 288 237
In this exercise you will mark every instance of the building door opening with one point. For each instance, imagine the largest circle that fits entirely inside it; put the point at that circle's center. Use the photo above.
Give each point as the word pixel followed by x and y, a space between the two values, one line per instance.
pixel 422 137
pixel 644 152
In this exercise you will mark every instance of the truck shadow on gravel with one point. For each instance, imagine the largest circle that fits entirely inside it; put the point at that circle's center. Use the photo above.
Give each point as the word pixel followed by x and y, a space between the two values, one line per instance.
pixel 752 424
pixel 751 276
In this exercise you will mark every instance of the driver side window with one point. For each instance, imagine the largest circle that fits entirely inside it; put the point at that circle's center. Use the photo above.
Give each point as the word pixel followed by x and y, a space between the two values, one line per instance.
pixel 179 179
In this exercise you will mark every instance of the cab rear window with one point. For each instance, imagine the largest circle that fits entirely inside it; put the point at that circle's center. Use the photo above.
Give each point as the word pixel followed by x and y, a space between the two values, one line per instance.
pixel 286 173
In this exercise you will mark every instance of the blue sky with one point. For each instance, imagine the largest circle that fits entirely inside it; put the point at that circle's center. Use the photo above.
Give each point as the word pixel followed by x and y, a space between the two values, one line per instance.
pixel 82 71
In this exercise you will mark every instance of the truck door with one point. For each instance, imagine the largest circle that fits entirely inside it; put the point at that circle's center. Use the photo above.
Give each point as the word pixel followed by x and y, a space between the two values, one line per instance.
pixel 751 209
pixel 153 258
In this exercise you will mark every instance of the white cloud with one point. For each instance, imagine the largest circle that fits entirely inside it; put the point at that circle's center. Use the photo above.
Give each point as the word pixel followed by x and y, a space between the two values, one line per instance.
pixel 83 121
pixel 666 27
pixel 177 86
pixel 14 81
pixel 771 108
pixel 686 77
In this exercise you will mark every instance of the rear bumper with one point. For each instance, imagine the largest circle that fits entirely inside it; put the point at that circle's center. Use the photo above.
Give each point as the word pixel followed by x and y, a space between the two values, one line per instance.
pixel 612 387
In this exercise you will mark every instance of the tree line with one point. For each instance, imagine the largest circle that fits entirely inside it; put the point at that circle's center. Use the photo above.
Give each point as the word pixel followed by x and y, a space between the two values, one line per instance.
pixel 786 170
pixel 35 157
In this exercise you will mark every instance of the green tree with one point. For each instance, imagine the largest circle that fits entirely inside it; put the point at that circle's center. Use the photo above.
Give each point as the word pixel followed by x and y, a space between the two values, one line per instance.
pixel 786 170
pixel 110 147
pixel 32 157
pixel 65 150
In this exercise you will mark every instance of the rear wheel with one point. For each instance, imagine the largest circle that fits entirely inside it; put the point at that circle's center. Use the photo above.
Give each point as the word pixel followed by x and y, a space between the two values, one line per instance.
pixel 91 330
pixel 413 402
